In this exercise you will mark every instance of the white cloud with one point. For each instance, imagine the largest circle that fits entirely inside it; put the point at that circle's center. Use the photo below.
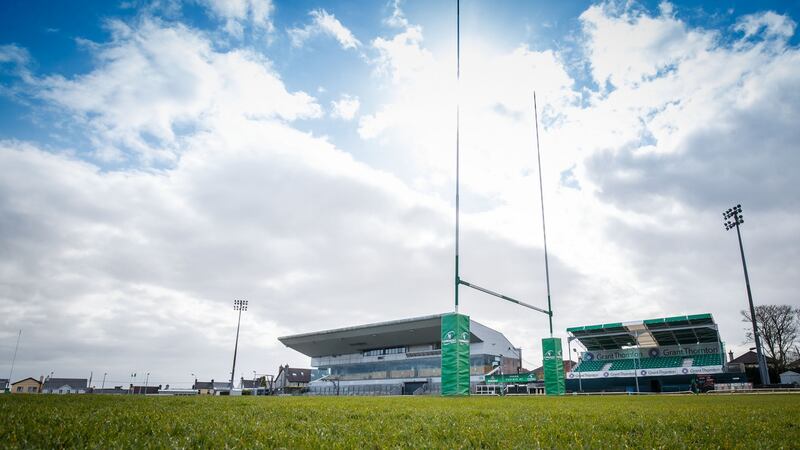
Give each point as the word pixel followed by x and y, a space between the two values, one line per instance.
pixel 238 13
pixel 138 99
pixel 654 152
pixel 628 48
pixel 774 25
pixel 398 18
pixel 323 23
pixel 345 108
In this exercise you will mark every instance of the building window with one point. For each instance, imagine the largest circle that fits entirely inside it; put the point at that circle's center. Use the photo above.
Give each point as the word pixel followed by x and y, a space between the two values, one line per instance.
pixel 31 389
pixel 385 351
pixel 19 388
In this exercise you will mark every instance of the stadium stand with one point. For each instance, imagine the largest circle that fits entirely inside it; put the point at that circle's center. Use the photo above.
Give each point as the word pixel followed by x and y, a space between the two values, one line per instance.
pixel 663 350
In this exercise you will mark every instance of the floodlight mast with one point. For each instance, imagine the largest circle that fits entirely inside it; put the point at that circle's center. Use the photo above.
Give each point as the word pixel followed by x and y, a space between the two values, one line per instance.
pixel 238 305
pixel 733 218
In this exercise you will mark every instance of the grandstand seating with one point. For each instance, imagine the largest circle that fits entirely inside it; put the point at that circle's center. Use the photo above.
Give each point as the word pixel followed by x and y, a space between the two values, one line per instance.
pixel 623 364
pixel 661 362
pixel 707 360
pixel 590 366
pixel 648 363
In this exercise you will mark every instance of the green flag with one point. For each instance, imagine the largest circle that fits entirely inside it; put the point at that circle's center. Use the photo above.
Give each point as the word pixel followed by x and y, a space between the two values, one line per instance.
pixel 553 366
pixel 455 354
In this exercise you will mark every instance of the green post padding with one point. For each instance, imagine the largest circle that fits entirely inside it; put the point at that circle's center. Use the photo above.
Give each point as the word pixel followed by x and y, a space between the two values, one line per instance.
pixel 455 354
pixel 553 366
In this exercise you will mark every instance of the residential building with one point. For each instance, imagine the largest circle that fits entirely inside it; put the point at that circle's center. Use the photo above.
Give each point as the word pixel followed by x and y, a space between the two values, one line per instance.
pixel 291 380
pixel 211 387
pixel 27 386
pixel 65 386
pixel 749 361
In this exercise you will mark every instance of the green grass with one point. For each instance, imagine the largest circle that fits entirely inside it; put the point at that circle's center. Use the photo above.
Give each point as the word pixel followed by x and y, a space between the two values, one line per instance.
pixel 704 421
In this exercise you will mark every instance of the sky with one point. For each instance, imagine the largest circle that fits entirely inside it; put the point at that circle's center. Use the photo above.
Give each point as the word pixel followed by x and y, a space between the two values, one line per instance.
pixel 159 159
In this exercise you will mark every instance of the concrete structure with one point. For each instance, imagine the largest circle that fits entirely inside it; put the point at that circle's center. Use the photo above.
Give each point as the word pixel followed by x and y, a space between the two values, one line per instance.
pixel 144 390
pixel 116 390
pixel 396 357
pixel 65 386
pixel 27 386
pixel 790 377
pixel 4 385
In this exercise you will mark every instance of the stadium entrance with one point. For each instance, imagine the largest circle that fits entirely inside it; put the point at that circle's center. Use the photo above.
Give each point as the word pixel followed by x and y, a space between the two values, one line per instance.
pixel 654 355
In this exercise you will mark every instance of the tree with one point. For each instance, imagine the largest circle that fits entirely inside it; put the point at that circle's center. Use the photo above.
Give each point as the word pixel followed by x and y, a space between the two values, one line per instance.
pixel 778 327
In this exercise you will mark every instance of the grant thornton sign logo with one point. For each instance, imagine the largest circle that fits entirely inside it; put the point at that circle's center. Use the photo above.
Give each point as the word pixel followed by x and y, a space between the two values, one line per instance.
pixel 449 338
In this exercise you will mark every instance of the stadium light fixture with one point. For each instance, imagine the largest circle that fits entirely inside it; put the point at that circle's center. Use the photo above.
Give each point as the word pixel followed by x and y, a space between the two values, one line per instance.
pixel 238 305
pixel 733 218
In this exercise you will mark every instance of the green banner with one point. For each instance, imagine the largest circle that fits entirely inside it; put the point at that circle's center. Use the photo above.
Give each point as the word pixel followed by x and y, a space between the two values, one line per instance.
pixel 517 378
pixel 455 354
pixel 553 366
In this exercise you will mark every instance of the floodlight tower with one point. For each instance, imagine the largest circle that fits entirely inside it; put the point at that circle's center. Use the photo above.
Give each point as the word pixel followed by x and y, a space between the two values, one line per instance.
pixel 733 218
pixel 238 305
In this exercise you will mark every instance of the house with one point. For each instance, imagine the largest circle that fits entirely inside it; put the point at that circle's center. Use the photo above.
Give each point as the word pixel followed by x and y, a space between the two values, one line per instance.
pixel 27 386
pixel 249 384
pixel 211 387
pixel 291 380
pixel 65 386
pixel 749 362
pixel 790 377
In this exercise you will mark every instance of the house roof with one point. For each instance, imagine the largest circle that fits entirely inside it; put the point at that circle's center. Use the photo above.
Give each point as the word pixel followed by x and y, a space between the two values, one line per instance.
pixel 211 385
pixel 295 375
pixel 26 379
pixel 72 383
pixel 750 358
pixel 249 384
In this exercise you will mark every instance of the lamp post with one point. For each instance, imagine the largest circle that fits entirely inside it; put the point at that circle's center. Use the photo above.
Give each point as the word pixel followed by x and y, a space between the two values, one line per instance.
pixel 238 305
pixel 733 218
pixel 147 379
pixel 103 386
pixel 133 380
pixel 580 360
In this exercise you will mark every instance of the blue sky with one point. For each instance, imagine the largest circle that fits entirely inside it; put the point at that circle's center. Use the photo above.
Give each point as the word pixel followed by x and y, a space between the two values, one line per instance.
pixel 164 157
pixel 54 33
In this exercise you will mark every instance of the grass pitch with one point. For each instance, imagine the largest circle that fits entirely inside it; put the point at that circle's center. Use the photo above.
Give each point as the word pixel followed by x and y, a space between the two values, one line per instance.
pixel 705 421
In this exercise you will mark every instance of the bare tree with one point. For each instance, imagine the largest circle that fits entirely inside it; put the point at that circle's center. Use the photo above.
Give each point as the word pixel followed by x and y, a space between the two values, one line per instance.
pixel 778 327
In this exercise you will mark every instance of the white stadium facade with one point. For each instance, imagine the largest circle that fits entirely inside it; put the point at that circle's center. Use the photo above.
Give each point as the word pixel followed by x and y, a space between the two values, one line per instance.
pixel 396 357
